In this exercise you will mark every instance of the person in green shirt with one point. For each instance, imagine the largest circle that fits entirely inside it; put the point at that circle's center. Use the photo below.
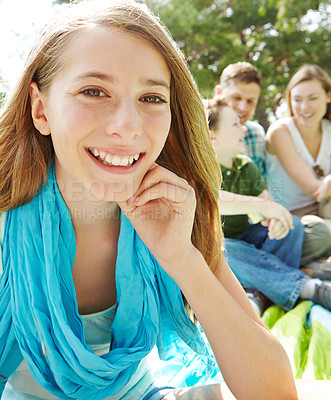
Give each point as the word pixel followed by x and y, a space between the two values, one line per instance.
pixel 240 86
pixel 265 256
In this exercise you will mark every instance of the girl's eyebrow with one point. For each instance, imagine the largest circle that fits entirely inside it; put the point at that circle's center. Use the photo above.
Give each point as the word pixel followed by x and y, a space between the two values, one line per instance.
pixel 109 78
pixel 98 75
pixel 309 95
pixel 157 82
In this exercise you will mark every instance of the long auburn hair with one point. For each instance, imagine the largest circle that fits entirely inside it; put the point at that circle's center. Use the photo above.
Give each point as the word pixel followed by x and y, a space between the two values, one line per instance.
pixel 25 154
pixel 309 72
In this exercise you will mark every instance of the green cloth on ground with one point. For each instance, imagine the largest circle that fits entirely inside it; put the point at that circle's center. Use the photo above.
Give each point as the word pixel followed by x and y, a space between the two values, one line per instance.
pixel 305 333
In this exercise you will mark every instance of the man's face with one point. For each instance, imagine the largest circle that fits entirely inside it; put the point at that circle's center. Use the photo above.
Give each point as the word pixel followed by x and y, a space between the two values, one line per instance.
pixel 242 97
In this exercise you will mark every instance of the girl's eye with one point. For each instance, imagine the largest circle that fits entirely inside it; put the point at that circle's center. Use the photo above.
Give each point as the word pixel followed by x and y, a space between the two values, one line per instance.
pixel 153 99
pixel 93 92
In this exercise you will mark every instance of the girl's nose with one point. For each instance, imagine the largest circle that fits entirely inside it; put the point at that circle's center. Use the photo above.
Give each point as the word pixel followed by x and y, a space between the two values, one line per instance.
pixel 124 120
pixel 304 105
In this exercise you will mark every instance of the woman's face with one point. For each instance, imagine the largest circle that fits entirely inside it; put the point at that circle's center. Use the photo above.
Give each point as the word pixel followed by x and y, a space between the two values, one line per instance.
pixel 309 102
pixel 108 113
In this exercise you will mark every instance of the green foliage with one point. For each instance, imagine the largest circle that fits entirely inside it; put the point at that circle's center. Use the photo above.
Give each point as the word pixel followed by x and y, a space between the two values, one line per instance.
pixel 274 35
pixel 60 1
pixel 2 97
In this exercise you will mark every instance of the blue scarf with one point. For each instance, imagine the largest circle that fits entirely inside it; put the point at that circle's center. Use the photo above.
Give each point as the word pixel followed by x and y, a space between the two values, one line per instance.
pixel 39 318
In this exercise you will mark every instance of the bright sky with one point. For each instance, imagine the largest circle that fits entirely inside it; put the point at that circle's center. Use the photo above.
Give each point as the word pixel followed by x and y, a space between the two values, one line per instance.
pixel 20 20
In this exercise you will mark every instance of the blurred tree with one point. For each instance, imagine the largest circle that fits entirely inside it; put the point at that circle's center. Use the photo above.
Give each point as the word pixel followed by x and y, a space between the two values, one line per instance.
pixel 3 90
pixel 2 97
pixel 277 36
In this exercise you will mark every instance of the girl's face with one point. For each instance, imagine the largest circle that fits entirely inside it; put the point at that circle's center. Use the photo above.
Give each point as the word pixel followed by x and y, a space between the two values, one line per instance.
pixel 228 138
pixel 108 114
pixel 309 102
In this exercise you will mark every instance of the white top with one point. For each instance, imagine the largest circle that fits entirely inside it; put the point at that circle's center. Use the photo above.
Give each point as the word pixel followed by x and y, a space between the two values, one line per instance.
pixel 97 327
pixel 283 189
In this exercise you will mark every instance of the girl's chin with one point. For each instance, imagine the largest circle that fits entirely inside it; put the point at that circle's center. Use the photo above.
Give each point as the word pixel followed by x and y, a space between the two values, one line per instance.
pixel 116 193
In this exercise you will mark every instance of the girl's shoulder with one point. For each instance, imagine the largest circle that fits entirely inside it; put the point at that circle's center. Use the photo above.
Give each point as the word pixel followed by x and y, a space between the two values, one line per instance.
pixel 283 125
pixel 326 126
pixel 284 121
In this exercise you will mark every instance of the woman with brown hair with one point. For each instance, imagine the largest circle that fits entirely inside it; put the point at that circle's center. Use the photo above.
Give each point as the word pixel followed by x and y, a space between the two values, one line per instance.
pixel 299 156
pixel 109 191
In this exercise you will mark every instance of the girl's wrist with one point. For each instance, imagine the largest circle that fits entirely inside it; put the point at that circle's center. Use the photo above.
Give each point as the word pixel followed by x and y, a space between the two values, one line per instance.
pixel 263 206
pixel 181 268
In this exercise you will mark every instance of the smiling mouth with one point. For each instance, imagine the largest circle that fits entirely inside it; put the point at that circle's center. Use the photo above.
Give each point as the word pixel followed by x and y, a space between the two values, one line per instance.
pixel 114 160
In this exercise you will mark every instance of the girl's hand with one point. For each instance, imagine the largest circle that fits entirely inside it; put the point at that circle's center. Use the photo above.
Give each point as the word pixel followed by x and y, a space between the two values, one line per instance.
pixel 278 219
pixel 324 190
pixel 276 230
pixel 162 212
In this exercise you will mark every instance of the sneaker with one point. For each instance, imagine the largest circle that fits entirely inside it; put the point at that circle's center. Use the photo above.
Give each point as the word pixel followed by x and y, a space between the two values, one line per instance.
pixel 258 300
pixel 322 295
pixel 320 268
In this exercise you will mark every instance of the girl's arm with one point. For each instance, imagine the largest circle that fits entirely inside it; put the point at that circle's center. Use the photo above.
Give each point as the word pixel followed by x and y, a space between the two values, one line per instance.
pixel 236 204
pixel 324 190
pixel 251 360
pixel 280 143
pixel 279 219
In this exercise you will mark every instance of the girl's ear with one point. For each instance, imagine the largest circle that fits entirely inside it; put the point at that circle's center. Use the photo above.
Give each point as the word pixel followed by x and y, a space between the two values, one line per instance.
pixel 38 110
pixel 212 135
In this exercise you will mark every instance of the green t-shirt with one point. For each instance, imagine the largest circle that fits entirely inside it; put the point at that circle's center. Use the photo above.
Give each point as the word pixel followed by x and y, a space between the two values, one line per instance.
pixel 244 178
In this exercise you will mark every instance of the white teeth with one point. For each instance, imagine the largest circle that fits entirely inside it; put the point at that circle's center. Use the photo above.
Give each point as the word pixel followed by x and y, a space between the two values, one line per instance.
pixel 124 161
pixel 108 159
pixel 116 160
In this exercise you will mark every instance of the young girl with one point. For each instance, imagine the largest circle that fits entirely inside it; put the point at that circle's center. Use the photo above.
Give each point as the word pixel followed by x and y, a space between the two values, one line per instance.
pixel 109 191
pixel 299 150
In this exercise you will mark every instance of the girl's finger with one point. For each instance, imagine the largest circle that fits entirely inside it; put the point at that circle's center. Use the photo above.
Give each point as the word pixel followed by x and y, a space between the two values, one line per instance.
pixel 287 220
pixel 158 174
pixel 165 191
pixel 276 225
pixel 278 230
